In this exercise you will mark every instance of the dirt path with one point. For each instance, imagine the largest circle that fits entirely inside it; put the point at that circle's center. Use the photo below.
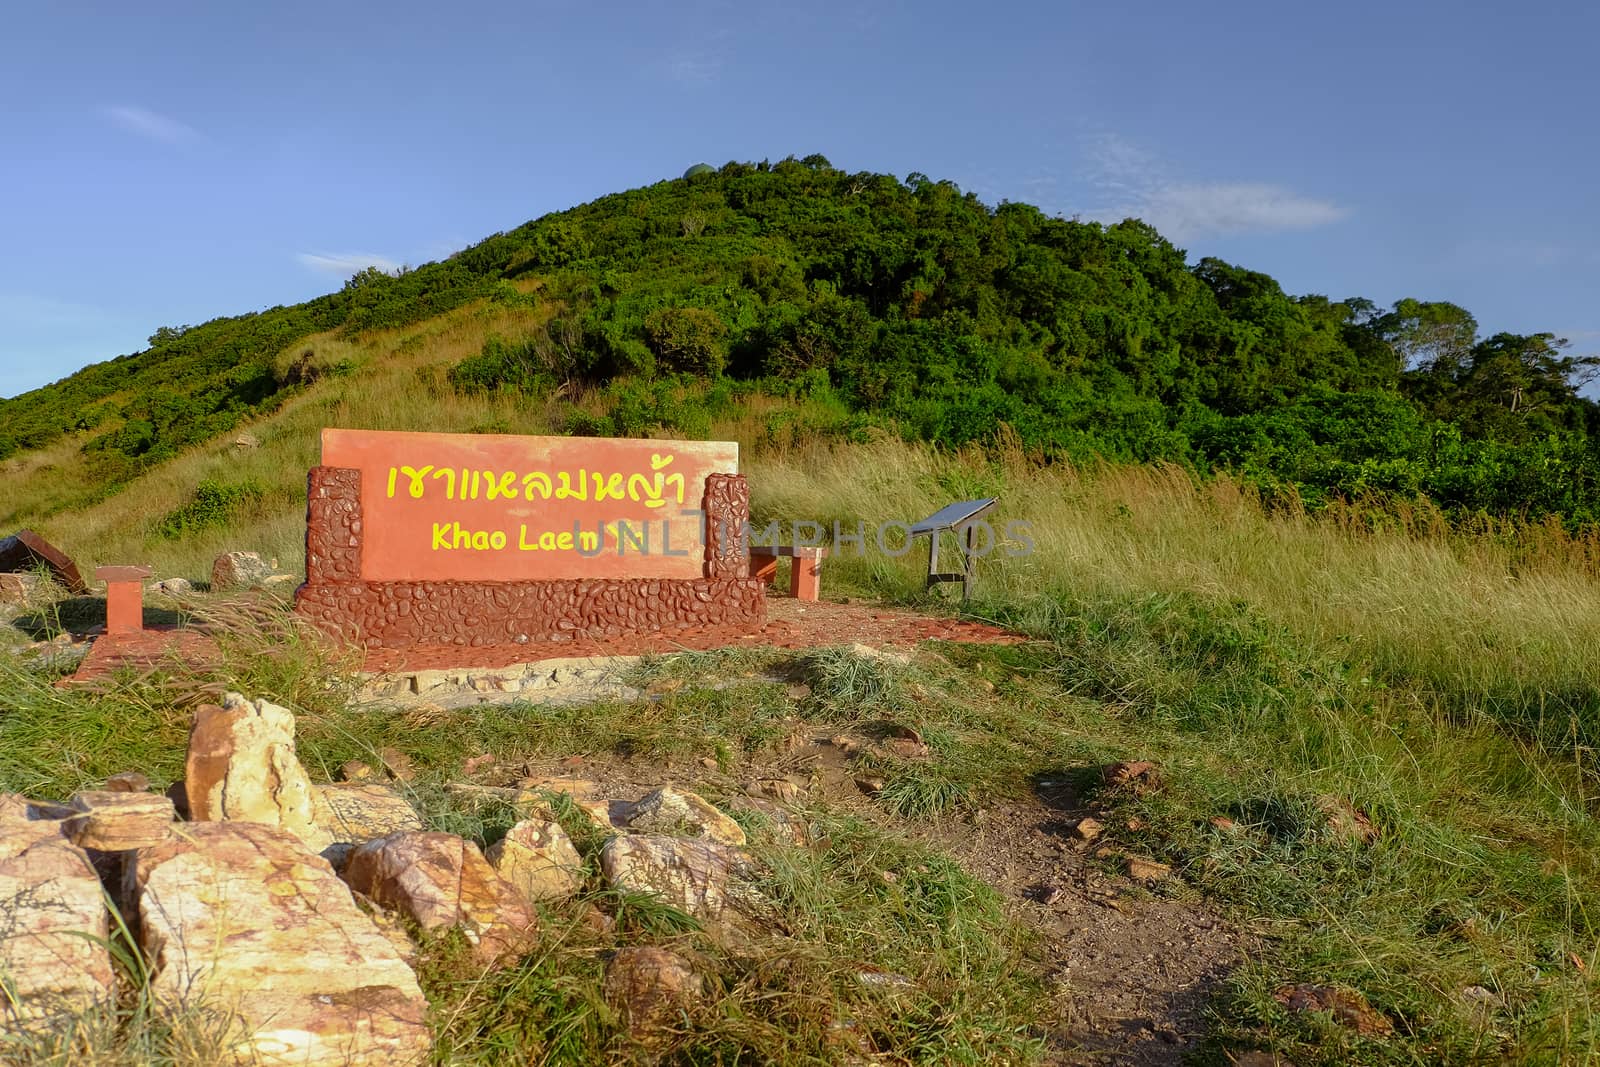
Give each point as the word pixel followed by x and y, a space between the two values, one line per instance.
pixel 1131 971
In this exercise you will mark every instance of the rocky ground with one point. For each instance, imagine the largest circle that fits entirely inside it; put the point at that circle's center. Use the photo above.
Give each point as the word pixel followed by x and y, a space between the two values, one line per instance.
pixel 1129 961
pixel 231 887
pixel 1130 972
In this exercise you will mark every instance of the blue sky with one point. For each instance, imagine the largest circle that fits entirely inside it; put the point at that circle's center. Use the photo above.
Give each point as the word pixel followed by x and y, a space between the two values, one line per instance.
pixel 179 162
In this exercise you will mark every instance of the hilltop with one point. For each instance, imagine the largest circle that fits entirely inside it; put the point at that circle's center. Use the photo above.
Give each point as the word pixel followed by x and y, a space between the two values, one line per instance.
pixel 1292 760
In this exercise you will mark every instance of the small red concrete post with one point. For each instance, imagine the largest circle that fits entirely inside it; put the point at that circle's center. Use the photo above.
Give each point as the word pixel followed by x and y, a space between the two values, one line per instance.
pixel 805 573
pixel 124 598
pixel 805 580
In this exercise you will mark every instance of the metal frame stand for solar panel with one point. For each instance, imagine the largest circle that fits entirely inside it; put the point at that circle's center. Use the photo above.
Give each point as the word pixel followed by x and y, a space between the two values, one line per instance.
pixel 958 516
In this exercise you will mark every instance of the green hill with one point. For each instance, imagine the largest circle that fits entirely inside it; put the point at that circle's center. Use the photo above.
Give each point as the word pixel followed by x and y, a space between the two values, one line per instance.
pixel 1365 680
pixel 876 302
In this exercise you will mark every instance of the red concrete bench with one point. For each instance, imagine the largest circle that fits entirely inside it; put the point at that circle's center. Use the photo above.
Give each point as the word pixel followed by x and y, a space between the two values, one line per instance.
pixel 805 579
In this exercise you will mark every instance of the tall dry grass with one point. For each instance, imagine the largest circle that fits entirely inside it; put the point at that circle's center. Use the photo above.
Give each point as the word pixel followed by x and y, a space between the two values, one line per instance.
pixel 1501 619
pixel 1497 622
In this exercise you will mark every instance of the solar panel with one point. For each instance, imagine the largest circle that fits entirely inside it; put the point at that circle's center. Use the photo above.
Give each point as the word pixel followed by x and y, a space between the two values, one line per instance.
pixel 953 515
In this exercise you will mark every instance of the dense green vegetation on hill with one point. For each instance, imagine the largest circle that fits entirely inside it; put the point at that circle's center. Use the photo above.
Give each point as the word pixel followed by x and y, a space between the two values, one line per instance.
pixel 915 306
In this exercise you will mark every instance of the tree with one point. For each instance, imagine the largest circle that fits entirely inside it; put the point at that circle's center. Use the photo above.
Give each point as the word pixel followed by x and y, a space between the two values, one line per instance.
pixel 1433 337
pixel 168 334
pixel 1518 386
pixel 365 278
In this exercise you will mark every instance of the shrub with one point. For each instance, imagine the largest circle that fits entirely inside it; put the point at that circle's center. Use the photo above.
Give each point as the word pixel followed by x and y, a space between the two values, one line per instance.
pixel 213 504
pixel 693 340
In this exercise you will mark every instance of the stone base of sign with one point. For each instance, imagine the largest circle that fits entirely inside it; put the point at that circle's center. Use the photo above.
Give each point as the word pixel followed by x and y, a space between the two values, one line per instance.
pixel 475 614
pixel 397 614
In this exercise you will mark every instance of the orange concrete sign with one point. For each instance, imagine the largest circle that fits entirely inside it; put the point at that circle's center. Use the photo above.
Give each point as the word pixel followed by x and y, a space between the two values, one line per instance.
pixel 498 508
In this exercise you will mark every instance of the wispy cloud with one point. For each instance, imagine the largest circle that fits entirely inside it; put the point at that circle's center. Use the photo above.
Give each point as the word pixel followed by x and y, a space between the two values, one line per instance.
pixel 699 54
pixel 1140 185
pixel 1220 208
pixel 693 68
pixel 150 124
pixel 1525 253
pixel 344 264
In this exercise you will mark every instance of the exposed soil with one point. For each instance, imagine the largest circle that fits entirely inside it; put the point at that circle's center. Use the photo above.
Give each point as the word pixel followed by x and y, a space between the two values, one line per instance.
pixel 1132 971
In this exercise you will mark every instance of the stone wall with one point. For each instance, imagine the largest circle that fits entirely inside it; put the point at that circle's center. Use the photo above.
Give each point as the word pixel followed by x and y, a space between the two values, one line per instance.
pixel 400 614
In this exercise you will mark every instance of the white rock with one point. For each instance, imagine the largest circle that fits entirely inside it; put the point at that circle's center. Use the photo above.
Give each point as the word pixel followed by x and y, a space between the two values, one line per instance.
pixel 708 880
pixel 538 859
pixel 682 813
pixel 54 924
pixel 240 917
pixel 239 570
pixel 356 813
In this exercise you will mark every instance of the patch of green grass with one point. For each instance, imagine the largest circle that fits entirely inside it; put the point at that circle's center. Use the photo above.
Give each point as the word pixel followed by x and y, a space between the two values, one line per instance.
pixel 972 990
pixel 546 1008
pixel 54 741
pixel 644 917
pixel 846 684
pixel 480 818
pixel 1483 873
pixel 921 793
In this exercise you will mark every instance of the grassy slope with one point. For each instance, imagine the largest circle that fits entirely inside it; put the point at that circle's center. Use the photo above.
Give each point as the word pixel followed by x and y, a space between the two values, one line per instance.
pixel 397 382
pixel 1444 683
